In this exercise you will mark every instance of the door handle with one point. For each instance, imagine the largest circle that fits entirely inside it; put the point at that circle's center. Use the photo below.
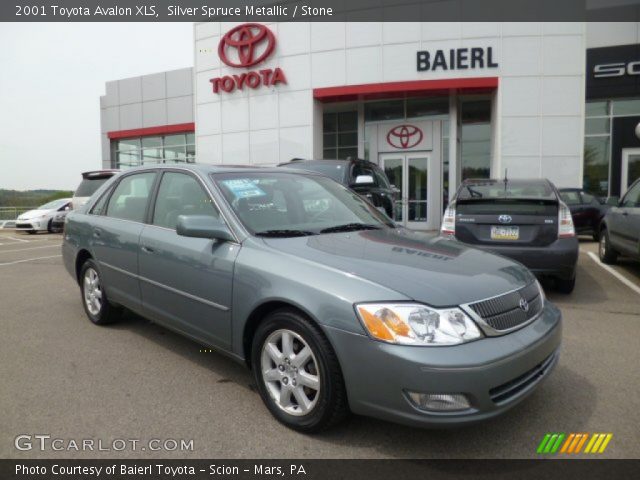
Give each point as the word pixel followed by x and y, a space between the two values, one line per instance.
pixel 147 249
pixel 97 232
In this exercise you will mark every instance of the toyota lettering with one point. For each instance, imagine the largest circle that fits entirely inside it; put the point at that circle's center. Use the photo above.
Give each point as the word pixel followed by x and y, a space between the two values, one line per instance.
pixel 245 46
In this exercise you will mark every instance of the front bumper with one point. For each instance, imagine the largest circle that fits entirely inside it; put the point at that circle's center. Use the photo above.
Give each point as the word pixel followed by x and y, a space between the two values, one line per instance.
pixel 495 373
pixel 558 259
pixel 28 225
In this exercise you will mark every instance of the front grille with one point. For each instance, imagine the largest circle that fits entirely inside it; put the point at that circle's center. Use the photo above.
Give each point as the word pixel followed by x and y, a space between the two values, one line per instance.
pixel 505 312
pixel 512 388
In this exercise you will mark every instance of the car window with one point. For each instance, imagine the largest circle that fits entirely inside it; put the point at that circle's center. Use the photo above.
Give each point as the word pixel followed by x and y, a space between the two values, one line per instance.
pixel 381 178
pixel 335 170
pixel 571 197
pixel 364 170
pixel 89 186
pixel 632 197
pixel 129 199
pixel 589 199
pixel 55 204
pixel 181 194
pixel 100 207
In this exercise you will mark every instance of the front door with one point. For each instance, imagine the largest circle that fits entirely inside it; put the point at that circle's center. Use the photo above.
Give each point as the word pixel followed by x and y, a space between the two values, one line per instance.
pixel 630 168
pixel 409 172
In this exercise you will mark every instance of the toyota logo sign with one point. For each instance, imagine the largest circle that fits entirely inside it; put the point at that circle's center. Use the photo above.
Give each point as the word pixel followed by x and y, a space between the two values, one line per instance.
pixel 505 219
pixel 246 41
pixel 404 136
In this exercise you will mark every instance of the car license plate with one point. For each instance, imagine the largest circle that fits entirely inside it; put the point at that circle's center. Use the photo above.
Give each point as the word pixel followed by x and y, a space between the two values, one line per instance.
pixel 505 233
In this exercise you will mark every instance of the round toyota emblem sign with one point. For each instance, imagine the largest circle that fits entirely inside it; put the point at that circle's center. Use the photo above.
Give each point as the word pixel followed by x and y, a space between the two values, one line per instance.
pixel 246 45
pixel 524 305
pixel 404 136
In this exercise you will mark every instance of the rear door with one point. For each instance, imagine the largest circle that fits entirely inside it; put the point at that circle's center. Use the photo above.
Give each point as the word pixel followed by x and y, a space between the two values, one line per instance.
pixel 507 221
pixel 626 227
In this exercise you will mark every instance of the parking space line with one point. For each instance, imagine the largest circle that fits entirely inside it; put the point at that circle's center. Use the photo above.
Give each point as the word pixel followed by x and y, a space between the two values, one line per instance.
pixel 28 260
pixel 616 274
pixel 27 249
pixel 19 239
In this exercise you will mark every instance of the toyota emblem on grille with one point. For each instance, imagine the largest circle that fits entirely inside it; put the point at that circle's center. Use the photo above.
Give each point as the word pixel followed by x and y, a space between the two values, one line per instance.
pixel 524 305
pixel 504 218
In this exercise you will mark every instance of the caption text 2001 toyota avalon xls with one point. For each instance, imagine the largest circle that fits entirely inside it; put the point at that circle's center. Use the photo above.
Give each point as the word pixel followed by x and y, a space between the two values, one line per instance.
pixel 333 307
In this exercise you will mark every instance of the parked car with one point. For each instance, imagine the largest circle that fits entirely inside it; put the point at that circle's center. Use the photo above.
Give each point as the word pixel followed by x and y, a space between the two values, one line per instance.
pixel 91 181
pixel 620 227
pixel 333 307
pixel 521 219
pixel 57 222
pixel 40 219
pixel 587 210
pixel 363 177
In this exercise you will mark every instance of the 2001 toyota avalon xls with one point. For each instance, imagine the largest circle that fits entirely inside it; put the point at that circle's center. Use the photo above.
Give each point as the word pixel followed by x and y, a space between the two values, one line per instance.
pixel 333 307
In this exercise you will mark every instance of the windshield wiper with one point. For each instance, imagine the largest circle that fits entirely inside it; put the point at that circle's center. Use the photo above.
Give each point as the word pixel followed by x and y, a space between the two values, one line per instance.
pixel 350 227
pixel 284 233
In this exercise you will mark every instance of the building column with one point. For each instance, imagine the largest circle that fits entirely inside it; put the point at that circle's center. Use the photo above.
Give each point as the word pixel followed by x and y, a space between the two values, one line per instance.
pixel 454 161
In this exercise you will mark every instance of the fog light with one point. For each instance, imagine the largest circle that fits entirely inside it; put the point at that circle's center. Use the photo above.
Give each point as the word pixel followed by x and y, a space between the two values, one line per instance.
pixel 440 402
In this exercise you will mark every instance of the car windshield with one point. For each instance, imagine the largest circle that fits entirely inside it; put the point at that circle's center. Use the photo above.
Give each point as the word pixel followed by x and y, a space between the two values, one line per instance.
pixel 335 170
pixel 53 204
pixel 288 204
pixel 512 189
pixel 88 186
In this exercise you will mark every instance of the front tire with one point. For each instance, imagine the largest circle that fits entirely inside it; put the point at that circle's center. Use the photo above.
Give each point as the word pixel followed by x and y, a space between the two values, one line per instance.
pixel 50 226
pixel 297 372
pixel 565 286
pixel 94 298
pixel 605 251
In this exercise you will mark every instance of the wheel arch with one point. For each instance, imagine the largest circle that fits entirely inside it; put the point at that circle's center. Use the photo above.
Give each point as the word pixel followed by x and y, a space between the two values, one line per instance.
pixel 82 256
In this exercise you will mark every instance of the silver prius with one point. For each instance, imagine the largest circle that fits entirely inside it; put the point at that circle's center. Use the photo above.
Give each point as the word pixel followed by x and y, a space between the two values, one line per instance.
pixel 333 307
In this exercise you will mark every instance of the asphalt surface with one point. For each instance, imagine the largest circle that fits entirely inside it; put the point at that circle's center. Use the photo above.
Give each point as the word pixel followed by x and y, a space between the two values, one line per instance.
pixel 60 375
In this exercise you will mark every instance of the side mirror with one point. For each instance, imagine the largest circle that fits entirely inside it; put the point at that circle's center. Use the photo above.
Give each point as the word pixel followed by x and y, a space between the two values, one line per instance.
pixel 613 201
pixel 362 180
pixel 203 226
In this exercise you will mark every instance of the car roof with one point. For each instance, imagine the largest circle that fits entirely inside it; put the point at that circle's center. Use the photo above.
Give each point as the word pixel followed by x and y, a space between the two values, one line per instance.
pixel 302 161
pixel 205 169
pixel 509 181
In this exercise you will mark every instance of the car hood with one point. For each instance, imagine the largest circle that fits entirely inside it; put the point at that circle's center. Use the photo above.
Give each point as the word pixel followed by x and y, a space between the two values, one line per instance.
pixel 426 268
pixel 33 214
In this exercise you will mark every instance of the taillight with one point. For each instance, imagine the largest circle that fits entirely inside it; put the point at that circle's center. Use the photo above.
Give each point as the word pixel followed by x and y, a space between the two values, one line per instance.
pixel 449 221
pixel 565 222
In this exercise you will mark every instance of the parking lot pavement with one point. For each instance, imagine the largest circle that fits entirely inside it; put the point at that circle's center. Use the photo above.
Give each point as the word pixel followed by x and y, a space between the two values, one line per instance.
pixel 62 376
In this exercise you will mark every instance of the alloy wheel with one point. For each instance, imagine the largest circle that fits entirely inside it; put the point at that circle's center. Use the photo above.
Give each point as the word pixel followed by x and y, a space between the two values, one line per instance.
pixel 603 246
pixel 290 372
pixel 92 291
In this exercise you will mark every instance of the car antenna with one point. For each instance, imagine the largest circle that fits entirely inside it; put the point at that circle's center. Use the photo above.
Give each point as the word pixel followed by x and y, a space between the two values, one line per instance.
pixel 505 180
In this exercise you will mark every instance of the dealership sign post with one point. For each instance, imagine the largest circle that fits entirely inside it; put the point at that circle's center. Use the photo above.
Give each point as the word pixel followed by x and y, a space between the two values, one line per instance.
pixel 246 46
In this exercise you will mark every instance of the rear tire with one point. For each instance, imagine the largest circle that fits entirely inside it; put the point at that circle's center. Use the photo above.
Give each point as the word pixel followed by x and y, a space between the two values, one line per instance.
pixel 605 251
pixel 94 298
pixel 308 396
pixel 31 232
pixel 565 286
pixel 50 226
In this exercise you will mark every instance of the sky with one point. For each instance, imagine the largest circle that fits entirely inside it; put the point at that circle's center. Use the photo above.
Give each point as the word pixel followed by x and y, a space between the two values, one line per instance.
pixel 51 78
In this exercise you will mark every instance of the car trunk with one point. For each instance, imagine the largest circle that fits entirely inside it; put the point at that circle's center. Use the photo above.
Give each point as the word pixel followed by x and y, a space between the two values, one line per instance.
pixel 532 222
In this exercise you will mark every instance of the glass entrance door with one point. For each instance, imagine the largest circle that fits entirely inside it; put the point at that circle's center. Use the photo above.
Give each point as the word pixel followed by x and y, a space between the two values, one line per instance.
pixel 630 168
pixel 409 172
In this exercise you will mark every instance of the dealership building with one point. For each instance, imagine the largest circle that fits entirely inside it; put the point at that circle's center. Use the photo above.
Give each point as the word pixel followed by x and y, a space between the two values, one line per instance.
pixel 431 103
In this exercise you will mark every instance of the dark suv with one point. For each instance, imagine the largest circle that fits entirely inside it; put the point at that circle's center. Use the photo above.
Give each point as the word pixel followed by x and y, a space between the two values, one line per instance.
pixel 361 176
pixel 522 219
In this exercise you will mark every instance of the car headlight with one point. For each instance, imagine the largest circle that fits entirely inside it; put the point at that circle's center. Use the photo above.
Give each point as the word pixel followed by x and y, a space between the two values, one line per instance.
pixel 417 324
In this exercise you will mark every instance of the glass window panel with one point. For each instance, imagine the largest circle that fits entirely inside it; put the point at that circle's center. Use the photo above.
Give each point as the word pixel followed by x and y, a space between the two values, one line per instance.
pixel 329 140
pixel 151 155
pixel 130 197
pixel 128 144
pixel 626 107
pixel 475 150
pixel 128 159
pixel 191 153
pixel 191 138
pixel 347 121
pixel 387 110
pixel 330 122
pixel 633 169
pixel 597 109
pixel 596 165
pixel 344 153
pixel 596 126
pixel 180 194
pixel 171 140
pixel 330 153
pixel 476 111
pixel 348 139
pixel 427 107
pixel 175 153
pixel 151 142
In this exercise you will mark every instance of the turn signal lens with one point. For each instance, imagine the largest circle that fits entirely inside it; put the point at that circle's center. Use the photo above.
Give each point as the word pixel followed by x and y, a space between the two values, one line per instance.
pixel 565 222
pixel 416 324
pixel 449 221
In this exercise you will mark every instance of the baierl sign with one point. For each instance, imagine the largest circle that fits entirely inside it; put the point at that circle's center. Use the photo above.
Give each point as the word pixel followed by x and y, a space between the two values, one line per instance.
pixel 243 47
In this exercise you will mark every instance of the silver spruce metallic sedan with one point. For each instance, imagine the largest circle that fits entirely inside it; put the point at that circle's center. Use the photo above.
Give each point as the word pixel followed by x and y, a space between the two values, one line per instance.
pixel 333 307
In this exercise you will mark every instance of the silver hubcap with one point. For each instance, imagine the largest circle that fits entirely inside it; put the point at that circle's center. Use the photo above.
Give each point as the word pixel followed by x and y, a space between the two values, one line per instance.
pixel 92 291
pixel 290 372
pixel 603 246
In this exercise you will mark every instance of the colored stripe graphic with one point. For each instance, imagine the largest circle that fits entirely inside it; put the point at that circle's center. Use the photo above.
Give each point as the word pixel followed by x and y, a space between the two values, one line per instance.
pixel 573 443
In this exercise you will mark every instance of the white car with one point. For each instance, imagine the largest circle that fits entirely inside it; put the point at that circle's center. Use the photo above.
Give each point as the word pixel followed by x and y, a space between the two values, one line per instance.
pixel 40 219
pixel 91 181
